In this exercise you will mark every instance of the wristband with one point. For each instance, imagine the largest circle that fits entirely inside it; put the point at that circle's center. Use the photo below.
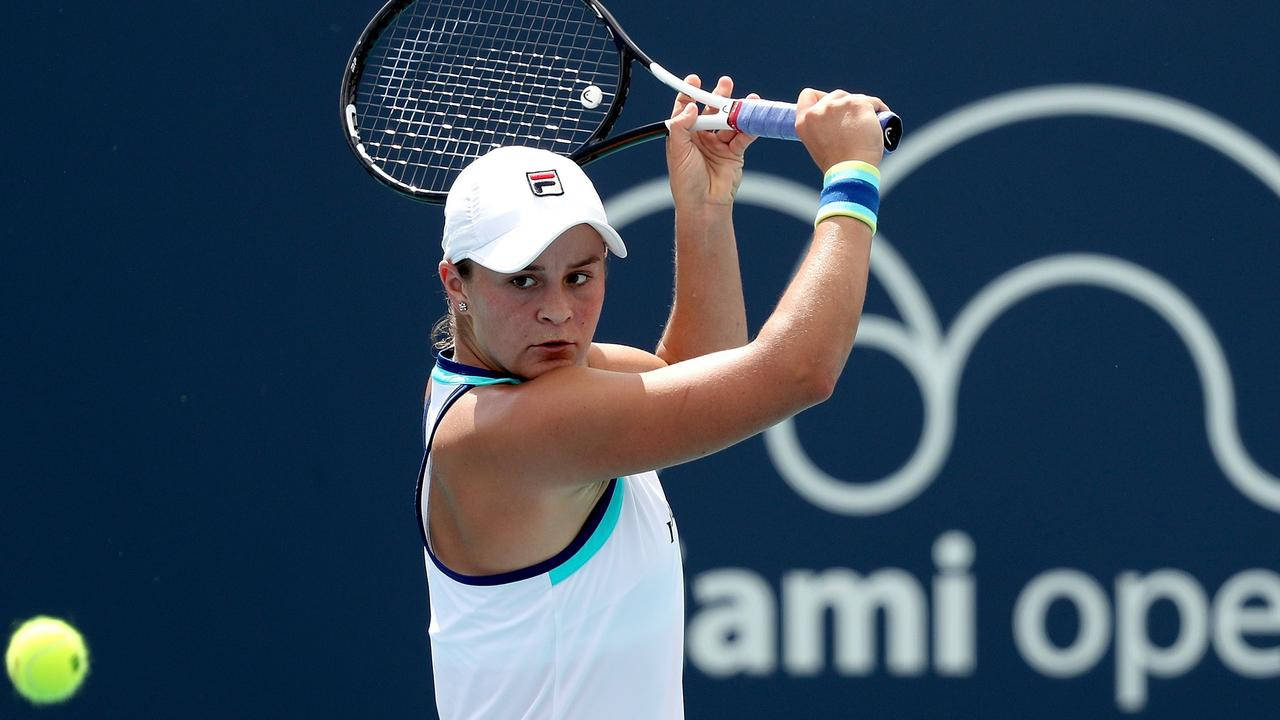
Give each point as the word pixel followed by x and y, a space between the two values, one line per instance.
pixel 851 189
pixel 853 170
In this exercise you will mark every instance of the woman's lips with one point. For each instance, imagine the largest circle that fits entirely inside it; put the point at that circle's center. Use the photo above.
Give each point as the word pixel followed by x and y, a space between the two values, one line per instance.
pixel 555 345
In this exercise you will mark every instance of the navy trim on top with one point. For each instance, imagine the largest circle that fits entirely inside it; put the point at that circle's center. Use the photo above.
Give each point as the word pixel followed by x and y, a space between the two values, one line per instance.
pixel 551 563
pixel 457 368
pixel 426 453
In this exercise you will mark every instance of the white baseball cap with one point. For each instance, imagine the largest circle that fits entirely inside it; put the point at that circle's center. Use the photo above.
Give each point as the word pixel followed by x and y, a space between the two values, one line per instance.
pixel 509 204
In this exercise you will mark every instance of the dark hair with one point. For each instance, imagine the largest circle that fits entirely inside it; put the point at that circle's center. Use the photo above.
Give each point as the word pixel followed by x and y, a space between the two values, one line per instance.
pixel 444 332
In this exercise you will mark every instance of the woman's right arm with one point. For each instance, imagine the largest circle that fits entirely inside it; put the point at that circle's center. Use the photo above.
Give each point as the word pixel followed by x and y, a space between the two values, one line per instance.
pixel 577 425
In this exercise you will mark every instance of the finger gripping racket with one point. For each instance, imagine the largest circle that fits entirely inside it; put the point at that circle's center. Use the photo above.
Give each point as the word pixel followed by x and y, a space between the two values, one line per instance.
pixel 433 84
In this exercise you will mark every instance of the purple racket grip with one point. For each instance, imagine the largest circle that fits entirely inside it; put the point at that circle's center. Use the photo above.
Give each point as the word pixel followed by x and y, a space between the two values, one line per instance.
pixel 770 118
pixel 764 118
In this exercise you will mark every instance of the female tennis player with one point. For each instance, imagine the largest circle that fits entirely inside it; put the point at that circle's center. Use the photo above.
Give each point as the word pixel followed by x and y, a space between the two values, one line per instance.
pixel 554 563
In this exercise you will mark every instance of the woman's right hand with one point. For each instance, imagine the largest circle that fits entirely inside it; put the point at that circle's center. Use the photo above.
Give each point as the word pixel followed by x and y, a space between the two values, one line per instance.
pixel 839 126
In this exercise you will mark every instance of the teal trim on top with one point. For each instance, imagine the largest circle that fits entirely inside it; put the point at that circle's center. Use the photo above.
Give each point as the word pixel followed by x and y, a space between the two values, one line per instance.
pixel 440 375
pixel 561 572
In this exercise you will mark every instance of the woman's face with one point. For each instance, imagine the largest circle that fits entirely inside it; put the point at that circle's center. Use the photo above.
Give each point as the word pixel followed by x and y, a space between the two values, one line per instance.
pixel 540 318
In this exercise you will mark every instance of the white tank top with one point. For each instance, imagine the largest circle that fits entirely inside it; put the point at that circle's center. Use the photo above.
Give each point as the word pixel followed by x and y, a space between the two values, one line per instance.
pixel 596 631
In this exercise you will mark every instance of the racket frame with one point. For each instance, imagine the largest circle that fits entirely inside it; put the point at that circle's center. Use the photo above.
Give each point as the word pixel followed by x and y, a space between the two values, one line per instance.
pixel 627 51
pixel 596 146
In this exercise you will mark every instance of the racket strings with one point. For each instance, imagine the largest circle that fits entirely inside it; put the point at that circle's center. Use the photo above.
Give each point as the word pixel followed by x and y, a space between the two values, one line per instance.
pixel 450 79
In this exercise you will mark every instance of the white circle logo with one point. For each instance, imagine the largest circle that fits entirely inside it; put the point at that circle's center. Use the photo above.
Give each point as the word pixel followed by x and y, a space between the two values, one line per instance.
pixel 591 97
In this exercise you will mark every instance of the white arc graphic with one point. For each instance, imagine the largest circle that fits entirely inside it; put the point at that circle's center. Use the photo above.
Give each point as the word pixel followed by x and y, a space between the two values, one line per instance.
pixel 936 361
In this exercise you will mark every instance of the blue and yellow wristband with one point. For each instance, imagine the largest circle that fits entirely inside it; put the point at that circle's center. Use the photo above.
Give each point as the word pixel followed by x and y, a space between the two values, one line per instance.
pixel 852 189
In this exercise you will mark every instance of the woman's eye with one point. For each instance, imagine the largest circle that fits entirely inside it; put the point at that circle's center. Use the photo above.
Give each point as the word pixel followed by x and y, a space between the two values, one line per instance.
pixel 522 281
pixel 578 278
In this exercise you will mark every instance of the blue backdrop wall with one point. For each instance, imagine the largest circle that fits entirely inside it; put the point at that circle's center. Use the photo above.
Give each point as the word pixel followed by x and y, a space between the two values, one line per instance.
pixel 1046 486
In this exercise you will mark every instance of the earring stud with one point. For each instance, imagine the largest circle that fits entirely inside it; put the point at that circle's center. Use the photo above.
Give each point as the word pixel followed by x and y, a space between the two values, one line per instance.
pixel 462 307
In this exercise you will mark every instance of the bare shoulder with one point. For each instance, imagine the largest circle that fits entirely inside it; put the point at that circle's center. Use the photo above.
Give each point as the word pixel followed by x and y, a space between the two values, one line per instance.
pixel 456 433
pixel 470 455
pixel 531 433
pixel 523 438
pixel 622 358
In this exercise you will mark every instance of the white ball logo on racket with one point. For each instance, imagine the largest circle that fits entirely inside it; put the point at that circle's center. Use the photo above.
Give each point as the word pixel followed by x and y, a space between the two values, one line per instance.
pixel 591 97
pixel 936 357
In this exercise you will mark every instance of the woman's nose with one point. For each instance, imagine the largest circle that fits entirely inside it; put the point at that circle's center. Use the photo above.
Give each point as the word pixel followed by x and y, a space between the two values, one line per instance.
pixel 555 308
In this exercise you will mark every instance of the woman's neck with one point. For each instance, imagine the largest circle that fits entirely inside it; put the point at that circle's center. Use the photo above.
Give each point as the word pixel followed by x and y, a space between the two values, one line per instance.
pixel 464 355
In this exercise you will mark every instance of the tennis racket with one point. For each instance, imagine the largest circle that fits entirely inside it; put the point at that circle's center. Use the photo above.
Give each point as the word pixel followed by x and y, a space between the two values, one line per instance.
pixel 433 84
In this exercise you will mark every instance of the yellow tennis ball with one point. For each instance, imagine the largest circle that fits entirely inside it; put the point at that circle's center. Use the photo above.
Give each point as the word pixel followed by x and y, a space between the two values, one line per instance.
pixel 47 660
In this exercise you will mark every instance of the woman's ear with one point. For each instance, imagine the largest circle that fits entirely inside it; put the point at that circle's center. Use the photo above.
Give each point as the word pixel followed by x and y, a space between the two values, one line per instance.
pixel 451 279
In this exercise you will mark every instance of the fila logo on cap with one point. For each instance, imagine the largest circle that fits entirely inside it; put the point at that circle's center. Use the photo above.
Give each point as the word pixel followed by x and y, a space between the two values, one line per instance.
pixel 544 182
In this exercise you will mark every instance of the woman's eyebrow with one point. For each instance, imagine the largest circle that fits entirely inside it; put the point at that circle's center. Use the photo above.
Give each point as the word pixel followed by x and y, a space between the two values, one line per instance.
pixel 583 263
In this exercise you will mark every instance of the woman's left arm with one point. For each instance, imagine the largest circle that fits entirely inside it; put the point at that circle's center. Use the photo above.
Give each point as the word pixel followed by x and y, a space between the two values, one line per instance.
pixel 708 312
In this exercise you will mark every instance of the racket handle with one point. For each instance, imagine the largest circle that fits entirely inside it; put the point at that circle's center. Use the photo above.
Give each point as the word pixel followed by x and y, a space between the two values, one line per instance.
pixel 769 118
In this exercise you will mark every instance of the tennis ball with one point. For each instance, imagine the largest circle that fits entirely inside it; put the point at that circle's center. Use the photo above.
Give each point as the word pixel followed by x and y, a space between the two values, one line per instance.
pixel 47 660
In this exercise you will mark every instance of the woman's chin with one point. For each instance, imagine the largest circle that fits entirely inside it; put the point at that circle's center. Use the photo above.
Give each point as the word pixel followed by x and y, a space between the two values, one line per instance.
pixel 546 362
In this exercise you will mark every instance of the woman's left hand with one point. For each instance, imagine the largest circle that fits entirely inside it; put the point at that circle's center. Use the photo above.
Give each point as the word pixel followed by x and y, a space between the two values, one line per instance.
pixel 705 167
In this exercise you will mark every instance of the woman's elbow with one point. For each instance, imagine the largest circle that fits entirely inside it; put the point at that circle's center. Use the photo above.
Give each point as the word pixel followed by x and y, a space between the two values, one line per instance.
pixel 821 388
pixel 816 384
